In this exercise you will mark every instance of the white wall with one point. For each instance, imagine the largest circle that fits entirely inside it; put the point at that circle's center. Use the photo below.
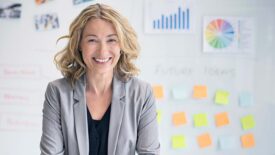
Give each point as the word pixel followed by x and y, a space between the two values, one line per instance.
pixel 26 66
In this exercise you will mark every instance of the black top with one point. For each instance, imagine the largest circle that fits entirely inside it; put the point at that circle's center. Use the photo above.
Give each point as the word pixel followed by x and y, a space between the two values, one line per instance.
pixel 98 133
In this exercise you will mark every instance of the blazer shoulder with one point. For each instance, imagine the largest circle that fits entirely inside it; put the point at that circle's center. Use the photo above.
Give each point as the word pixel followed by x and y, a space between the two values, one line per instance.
pixel 139 88
pixel 59 85
pixel 137 83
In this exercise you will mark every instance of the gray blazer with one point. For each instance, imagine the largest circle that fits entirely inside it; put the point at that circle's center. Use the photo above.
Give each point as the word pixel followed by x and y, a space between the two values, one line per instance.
pixel 133 125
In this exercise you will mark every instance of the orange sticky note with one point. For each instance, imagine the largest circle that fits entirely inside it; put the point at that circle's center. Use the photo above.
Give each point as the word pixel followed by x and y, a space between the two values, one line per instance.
pixel 204 140
pixel 158 91
pixel 248 141
pixel 179 118
pixel 200 92
pixel 222 119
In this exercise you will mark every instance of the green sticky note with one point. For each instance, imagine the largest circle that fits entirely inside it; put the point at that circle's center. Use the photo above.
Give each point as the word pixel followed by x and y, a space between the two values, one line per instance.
pixel 221 97
pixel 159 116
pixel 248 122
pixel 200 120
pixel 178 141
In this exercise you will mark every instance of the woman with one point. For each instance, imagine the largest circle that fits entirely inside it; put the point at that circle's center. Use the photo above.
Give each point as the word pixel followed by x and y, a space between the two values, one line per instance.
pixel 99 107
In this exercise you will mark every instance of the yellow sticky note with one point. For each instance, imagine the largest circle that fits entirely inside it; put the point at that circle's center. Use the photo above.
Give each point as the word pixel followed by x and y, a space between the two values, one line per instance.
pixel 222 119
pixel 204 140
pixel 158 91
pixel 200 120
pixel 178 141
pixel 179 118
pixel 248 122
pixel 159 116
pixel 248 141
pixel 200 92
pixel 221 97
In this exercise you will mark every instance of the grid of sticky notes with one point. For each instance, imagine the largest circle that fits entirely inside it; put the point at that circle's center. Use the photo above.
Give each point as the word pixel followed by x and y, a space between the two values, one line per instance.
pixel 205 140
pixel 201 120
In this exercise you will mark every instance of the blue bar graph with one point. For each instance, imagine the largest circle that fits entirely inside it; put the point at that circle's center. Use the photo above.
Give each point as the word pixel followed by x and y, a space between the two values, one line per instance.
pixel 179 20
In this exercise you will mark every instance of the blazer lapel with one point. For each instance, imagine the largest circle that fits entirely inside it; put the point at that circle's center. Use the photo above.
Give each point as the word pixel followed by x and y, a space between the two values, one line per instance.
pixel 117 111
pixel 80 116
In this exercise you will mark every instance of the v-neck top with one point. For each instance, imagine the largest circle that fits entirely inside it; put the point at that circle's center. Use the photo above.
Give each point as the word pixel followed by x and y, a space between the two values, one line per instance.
pixel 98 133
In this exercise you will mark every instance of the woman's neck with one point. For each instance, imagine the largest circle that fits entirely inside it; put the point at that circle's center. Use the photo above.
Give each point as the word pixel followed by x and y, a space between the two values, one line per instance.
pixel 99 84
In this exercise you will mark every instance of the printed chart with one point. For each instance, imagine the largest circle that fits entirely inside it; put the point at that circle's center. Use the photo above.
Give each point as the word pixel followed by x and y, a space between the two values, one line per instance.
pixel 168 16
pixel 219 33
pixel 228 34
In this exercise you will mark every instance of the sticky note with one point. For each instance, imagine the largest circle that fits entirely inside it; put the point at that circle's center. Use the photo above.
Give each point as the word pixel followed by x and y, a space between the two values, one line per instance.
pixel 248 141
pixel 221 119
pixel 248 122
pixel 200 92
pixel 227 142
pixel 245 99
pixel 159 116
pixel 200 120
pixel 179 118
pixel 221 97
pixel 180 93
pixel 204 140
pixel 158 91
pixel 178 141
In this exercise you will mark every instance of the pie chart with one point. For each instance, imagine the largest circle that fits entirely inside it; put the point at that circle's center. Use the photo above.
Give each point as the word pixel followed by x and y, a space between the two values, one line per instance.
pixel 219 33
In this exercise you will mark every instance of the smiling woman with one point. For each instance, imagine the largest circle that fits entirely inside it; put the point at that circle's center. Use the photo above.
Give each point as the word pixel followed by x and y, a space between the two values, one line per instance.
pixel 100 47
pixel 70 61
pixel 99 107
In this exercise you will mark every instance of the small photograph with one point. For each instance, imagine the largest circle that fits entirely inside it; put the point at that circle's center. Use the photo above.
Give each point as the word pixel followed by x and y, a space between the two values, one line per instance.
pixel 39 2
pixel 80 1
pixel 46 22
pixel 10 10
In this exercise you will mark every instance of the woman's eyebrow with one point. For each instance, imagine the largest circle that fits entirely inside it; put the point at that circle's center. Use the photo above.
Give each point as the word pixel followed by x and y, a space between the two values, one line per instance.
pixel 110 35
pixel 93 35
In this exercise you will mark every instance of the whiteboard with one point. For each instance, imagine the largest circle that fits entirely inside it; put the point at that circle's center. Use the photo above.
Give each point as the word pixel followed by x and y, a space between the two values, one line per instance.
pixel 169 60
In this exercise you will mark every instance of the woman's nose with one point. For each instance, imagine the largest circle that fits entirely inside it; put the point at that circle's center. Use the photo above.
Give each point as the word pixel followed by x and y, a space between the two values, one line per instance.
pixel 102 47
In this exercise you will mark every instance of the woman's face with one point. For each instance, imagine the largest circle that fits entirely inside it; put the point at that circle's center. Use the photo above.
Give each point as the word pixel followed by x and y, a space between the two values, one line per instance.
pixel 100 46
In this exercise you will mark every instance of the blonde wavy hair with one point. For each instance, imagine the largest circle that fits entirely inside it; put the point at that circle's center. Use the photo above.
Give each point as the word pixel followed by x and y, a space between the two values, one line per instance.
pixel 69 60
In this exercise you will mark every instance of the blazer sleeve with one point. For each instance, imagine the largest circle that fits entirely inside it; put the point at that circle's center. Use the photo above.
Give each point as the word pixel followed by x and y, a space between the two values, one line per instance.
pixel 148 140
pixel 52 139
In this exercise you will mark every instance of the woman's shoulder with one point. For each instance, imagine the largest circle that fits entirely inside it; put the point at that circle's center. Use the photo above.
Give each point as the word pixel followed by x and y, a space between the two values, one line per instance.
pixel 137 83
pixel 60 83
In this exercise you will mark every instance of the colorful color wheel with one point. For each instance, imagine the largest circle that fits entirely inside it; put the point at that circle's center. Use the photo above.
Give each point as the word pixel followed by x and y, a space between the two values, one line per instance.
pixel 219 33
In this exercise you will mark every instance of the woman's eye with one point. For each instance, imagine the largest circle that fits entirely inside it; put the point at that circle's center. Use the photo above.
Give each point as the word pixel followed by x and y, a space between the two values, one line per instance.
pixel 92 40
pixel 112 40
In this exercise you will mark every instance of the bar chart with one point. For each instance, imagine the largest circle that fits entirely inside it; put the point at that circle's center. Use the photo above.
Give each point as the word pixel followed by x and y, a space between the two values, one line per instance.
pixel 169 16
pixel 178 20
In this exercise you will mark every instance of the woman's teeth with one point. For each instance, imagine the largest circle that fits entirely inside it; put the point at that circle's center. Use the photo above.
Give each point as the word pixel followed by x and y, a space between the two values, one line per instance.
pixel 101 60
